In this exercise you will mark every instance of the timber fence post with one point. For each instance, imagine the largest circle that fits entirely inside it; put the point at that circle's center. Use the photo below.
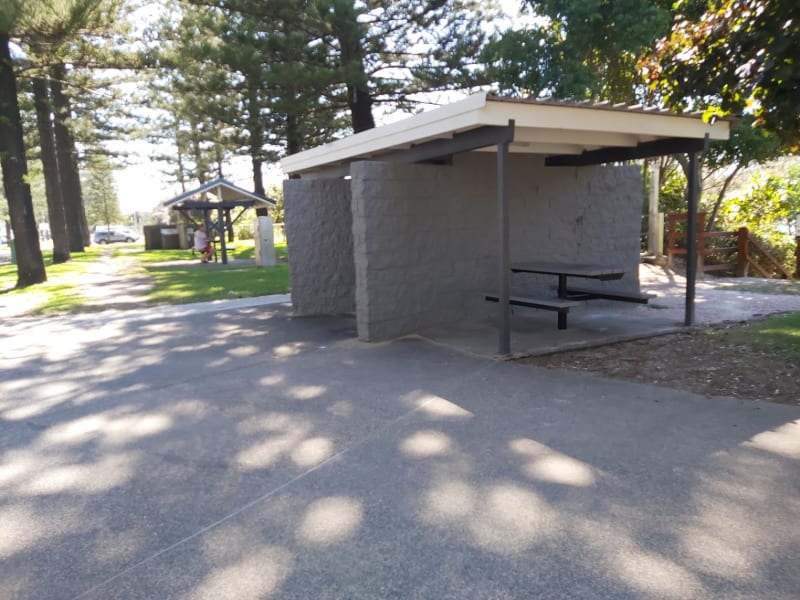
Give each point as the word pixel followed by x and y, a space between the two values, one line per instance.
pixel 742 257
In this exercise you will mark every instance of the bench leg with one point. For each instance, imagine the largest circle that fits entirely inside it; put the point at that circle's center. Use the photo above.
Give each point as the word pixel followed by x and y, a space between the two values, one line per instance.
pixel 562 320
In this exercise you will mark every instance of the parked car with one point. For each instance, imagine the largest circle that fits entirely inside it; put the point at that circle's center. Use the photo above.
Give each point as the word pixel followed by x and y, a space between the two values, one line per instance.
pixel 108 236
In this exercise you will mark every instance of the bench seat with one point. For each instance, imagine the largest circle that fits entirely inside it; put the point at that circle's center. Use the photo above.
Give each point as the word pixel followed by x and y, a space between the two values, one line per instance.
pixel 560 305
pixel 590 294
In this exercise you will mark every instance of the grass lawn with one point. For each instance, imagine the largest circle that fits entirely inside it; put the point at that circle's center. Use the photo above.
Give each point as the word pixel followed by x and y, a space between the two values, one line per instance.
pixel 177 277
pixel 180 285
pixel 779 334
pixel 59 294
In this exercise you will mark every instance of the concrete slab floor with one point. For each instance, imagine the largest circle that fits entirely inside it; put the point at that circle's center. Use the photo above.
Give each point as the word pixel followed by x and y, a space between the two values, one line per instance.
pixel 599 322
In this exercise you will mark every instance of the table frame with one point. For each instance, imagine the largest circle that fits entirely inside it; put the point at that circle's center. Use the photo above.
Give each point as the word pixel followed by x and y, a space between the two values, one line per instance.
pixel 564 270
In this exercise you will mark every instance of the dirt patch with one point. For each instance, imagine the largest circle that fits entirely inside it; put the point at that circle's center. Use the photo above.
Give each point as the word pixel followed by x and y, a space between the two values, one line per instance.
pixel 714 362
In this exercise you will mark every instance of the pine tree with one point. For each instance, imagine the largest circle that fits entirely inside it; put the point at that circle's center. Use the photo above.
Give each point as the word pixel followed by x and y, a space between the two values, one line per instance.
pixel 47 143
pixel 30 262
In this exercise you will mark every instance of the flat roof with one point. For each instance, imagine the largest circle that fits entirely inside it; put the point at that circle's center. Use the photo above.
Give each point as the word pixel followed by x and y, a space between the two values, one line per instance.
pixel 592 133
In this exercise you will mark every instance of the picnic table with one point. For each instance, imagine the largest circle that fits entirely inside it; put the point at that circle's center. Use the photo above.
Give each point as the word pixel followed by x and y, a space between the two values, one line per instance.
pixel 568 296
pixel 564 270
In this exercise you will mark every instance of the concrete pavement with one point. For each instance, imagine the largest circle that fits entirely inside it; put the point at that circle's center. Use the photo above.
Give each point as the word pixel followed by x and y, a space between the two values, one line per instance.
pixel 247 453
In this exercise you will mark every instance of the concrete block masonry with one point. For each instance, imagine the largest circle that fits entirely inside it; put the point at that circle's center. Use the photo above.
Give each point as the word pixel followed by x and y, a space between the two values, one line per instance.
pixel 408 246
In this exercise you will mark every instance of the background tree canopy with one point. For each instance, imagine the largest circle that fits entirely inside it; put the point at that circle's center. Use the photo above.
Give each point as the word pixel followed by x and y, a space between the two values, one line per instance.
pixel 578 49
pixel 738 55
pixel 209 82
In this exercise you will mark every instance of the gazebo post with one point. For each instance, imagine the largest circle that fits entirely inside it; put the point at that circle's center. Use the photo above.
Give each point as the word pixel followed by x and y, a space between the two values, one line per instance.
pixel 222 235
pixel 504 347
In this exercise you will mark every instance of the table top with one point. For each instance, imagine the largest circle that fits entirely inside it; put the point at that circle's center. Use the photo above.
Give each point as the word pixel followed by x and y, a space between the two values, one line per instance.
pixel 571 269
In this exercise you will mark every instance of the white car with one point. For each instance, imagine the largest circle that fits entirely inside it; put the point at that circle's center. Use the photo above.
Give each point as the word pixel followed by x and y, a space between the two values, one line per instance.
pixel 107 236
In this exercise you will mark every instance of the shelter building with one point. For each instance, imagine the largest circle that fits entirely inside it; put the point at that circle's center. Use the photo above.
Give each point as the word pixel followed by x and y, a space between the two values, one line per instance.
pixel 407 224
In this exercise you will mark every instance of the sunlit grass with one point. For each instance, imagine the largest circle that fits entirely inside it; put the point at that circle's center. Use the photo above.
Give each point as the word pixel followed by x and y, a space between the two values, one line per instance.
pixel 59 293
pixel 178 277
pixel 153 256
pixel 178 284
pixel 77 264
pixel 237 250
pixel 201 283
pixel 779 334
pixel 8 277
pixel 59 298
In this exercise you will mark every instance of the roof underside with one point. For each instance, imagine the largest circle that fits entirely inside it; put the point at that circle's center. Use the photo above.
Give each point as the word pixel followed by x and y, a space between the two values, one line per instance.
pixel 565 133
pixel 219 193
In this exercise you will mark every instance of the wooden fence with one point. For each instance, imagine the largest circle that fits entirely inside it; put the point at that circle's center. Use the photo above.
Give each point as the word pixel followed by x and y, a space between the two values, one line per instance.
pixel 736 252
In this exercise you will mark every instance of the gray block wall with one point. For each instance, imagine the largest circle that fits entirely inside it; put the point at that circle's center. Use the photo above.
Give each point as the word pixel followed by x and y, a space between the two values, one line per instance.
pixel 426 237
pixel 410 247
pixel 319 235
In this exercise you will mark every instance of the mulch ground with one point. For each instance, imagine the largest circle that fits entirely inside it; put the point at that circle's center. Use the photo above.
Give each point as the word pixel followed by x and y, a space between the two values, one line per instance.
pixel 712 362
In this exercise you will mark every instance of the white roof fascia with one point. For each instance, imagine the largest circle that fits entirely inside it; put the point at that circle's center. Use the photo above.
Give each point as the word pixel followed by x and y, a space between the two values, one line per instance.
pixel 441 122
pixel 586 125
pixel 580 118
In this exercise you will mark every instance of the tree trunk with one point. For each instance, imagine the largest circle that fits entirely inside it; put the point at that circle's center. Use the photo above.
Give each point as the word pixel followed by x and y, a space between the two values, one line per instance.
pixel 721 196
pixel 256 131
pixel 197 153
pixel 348 32
pixel 55 204
pixel 293 143
pixel 67 164
pixel 30 264
pixel 360 104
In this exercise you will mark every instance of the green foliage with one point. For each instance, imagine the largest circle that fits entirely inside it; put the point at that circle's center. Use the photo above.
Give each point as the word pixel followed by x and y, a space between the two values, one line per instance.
pixel 10 11
pixel 747 144
pixel 243 229
pixel 580 49
pixel 725 159
pixel 100 194
pixel 768 207
pixel 672 195
pixel 275 192
pixel 741 55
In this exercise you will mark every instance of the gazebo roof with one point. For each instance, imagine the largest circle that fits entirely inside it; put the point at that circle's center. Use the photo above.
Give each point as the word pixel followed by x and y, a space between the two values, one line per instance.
pixel 221 193
pixel 566 133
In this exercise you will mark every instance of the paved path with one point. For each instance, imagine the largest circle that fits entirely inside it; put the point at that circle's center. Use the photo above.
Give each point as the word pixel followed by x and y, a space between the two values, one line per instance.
pixel 250 454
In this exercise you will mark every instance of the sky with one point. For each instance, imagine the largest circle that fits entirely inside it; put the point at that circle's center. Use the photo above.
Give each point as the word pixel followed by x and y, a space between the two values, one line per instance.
pixel 141 186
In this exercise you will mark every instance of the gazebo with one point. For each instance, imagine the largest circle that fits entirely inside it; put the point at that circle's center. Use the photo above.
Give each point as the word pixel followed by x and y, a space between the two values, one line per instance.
pixel 220 196
pixel 395 223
